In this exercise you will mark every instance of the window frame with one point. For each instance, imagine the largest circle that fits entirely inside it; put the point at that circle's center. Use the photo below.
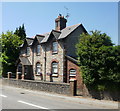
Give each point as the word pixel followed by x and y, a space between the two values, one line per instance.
pixel 72 74
pixel 54 47
pixel 38 52
pixel 53 68
pixel 36 72
pixel 28 51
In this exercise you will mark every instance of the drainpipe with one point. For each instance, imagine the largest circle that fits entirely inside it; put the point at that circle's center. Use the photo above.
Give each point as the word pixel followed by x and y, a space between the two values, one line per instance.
pixel 33 62
pixel 45 63
pixel 64 63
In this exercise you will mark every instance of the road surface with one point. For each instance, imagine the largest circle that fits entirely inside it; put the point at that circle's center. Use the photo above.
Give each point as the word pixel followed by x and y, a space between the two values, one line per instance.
pixel 18 98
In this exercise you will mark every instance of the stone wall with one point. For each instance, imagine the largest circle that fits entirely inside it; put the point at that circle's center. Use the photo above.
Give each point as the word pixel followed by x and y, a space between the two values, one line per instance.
pixel 62 88
pixel 59 88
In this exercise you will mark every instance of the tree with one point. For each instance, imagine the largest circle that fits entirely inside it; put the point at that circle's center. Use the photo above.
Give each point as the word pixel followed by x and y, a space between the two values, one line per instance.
pixel 21 32
pixel 10 51
pixel 99 59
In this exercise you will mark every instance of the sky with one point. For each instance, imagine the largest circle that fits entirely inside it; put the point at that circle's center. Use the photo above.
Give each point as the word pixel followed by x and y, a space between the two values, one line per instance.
pixel 39 17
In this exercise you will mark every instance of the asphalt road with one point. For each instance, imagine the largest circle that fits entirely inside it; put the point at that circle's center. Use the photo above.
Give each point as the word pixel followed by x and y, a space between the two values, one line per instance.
pixel 17 98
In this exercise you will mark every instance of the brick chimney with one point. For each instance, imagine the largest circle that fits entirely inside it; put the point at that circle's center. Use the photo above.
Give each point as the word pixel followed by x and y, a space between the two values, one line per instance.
pixel 60 22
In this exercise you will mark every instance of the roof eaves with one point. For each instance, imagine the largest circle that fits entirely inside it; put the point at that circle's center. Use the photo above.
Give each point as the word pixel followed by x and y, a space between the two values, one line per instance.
pixel 72 59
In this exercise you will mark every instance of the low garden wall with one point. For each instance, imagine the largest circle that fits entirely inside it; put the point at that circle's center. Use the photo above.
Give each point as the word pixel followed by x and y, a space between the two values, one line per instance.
pixel 60 88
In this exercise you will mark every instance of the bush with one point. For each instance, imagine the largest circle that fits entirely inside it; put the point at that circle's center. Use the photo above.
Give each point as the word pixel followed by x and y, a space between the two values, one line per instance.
pixel 99 60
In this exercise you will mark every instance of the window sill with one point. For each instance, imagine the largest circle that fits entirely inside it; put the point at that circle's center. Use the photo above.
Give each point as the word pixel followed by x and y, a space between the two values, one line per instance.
pixel 37 54
pixel 54 53
pixel 54 75
pixel 38 74
pixel 72 75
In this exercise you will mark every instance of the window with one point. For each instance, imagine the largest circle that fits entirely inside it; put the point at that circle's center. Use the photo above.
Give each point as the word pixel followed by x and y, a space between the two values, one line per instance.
pixel 72 72
pixel 38 68
pixel 19 67
pixel 55 47
pixel 21 52
pixel 28 51
pixel 38 50
pixel 54 69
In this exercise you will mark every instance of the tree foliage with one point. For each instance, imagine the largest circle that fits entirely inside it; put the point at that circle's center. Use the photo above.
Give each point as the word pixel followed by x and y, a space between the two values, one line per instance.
pixel 10 51
pixel 99 59
pixel 21 32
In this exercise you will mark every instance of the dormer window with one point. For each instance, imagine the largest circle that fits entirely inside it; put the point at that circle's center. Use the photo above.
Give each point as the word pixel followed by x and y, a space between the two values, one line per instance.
pixel 28 51
pixel 55 47
pixel 38 50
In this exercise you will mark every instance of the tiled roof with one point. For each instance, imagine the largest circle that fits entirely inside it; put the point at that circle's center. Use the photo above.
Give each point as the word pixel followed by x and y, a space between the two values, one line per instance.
pixel 25 61
pixel 72 59
pixel 66 31
pixel 58 34
pixel 46 37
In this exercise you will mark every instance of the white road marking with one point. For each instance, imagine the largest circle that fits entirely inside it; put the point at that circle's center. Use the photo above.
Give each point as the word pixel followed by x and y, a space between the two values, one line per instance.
pixel 3 96
pixel 32 104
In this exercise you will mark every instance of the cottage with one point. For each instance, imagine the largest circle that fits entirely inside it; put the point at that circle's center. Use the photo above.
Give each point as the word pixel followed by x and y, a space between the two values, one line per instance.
pixel 51 56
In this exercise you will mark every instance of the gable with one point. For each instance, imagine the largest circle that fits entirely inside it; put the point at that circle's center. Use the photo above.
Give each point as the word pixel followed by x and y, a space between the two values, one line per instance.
pixel 38 39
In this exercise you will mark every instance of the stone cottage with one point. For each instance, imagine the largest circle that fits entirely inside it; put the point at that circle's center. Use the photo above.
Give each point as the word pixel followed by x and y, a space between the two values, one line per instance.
pixel 51 56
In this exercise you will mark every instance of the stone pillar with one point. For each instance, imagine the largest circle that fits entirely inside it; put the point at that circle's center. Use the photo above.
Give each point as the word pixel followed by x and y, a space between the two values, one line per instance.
pixel 23 71
pixel 18 75
pixel 9 74
pixel 73 88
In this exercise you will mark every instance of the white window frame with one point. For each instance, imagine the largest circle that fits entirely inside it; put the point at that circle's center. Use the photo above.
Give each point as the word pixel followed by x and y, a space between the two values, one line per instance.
pixel 54 69
pixel 38 67
pixel 72 72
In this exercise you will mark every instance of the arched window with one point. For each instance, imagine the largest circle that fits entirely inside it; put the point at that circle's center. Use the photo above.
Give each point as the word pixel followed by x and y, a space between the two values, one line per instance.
pixel 72 73
pixel 38 68
pixel 54 69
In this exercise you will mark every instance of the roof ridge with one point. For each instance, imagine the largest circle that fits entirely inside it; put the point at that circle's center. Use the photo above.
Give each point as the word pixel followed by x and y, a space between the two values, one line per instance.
pixel 72 26
pixel 39 35
pixel 29 38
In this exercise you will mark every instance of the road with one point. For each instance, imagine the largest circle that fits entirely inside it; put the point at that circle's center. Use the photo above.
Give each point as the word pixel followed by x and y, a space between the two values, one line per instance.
pixel 18 98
